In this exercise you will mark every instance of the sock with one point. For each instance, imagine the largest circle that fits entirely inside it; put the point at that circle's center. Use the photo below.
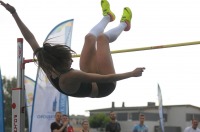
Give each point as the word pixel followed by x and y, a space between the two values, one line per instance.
pixel 114 33
pixel 99 28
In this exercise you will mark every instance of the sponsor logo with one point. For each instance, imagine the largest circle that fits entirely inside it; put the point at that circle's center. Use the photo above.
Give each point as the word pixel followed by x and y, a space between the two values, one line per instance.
pixel 46 117
pixel 13 105
pixel 20 51
pixel 15 124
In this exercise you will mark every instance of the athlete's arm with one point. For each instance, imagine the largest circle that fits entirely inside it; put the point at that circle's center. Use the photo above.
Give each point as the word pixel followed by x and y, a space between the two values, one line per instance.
pixel 93 77
pixel 24 30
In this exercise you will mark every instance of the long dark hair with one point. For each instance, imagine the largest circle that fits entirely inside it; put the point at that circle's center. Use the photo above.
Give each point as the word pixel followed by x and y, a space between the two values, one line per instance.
pixel 54 58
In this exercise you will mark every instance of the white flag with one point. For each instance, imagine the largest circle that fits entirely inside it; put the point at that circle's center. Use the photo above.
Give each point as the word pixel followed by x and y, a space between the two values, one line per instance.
pixel 29 92
pixel 47 99
pixel 160 109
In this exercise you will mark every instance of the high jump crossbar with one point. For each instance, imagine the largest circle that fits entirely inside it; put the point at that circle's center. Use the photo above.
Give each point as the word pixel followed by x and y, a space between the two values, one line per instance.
pixel 152 47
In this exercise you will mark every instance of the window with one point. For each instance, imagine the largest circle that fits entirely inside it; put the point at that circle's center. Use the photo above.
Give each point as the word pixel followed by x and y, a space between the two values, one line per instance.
pixel 135 116
pixel 190 116
pixel 149 116
pixel 122 116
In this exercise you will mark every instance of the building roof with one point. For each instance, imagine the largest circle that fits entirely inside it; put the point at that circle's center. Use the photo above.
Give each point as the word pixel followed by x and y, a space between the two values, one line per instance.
pixel 138 108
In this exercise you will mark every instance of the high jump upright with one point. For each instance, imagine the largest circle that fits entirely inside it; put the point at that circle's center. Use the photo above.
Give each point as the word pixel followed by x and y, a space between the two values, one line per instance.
pixel 18 94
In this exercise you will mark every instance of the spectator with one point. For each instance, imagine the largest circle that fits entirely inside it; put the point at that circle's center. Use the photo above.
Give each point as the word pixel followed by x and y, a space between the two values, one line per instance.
pixel 69 127
pixel 194 127
pixel 57 126
pixel 85 126
pixel 113 125
pixel 141 127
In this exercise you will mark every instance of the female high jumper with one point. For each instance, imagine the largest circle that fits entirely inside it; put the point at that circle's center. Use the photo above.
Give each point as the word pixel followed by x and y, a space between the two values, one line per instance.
pixel 96 77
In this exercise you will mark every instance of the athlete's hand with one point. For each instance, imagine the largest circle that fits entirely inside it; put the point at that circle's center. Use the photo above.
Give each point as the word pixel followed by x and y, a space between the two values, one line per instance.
pixel 138 71
pixel 8 7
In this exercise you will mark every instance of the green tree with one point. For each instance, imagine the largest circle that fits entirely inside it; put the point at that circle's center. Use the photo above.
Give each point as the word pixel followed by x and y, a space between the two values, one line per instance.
pixel 8 84
pixel 98 120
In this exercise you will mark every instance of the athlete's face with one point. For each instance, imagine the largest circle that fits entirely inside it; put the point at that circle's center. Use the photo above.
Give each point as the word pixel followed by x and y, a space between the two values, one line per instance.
pixel 69 63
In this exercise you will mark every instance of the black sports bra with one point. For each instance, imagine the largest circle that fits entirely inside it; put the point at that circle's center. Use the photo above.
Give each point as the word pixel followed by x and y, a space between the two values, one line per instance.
pixel 84 90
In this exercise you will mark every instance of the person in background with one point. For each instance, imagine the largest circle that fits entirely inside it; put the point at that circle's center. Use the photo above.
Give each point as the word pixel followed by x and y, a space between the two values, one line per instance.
pixel 141 127
pixel 57 126
pixel 113 125
pixel 69 127
pixel 194 127
pixel 85 126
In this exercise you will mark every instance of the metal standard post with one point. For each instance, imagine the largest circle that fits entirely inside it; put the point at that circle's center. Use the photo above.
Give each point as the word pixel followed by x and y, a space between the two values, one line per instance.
pixel 18 112
pixel 22 98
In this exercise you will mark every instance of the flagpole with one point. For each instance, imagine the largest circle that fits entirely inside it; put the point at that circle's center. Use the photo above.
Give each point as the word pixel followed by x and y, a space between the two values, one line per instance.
pixel 160 109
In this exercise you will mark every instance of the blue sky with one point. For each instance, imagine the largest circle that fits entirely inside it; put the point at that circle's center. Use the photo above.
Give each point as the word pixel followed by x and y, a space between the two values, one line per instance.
pixel 154 22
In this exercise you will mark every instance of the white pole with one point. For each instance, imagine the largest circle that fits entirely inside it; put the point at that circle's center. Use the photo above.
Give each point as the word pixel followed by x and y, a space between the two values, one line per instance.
pixel 22 98
pixel 18 111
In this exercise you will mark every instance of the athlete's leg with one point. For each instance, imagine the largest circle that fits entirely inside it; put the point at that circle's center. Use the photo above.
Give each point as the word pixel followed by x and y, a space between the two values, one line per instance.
pixel 104 58
pixel 105 65
pixel 88 54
